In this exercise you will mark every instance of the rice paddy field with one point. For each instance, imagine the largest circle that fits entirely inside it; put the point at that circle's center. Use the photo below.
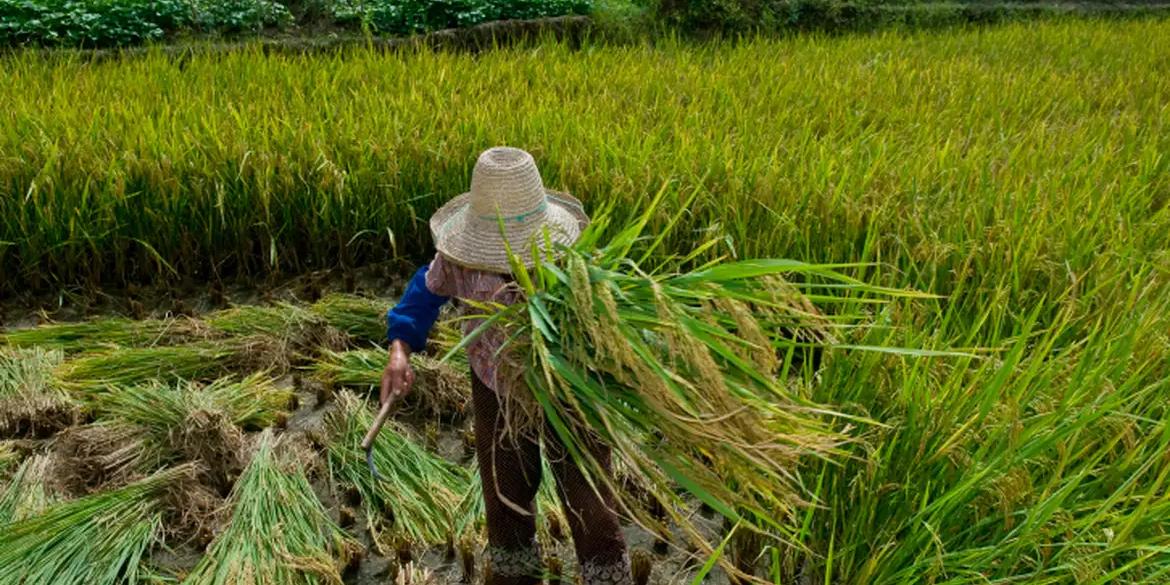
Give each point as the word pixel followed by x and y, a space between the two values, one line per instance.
pixel 1020 174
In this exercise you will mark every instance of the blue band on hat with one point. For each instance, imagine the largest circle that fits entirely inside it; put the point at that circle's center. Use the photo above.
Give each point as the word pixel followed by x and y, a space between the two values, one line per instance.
pixel 521 217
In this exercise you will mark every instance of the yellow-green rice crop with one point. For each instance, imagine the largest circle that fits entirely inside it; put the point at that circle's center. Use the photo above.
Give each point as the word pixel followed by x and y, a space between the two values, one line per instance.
pixel 1021 171
pixel 948 156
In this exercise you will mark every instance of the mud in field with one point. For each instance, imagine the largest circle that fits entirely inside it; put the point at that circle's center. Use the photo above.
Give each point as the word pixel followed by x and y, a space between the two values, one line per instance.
pixel 445 564
pixel 83 452
pixel 385 279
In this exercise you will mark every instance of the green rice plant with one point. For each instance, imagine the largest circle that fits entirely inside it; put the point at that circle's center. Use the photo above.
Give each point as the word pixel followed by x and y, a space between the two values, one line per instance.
pixel 416 503
pixel 441 389
pixel 100 539
pixel 31 402
pixel 1018 171
pixel 363 319
pixel 1045 464
pixel 93 335
pixel 205 360
pixel 279 531
pixel 27 493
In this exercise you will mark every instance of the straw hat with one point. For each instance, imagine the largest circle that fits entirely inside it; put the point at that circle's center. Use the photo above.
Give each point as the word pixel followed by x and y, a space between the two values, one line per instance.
pixel 505 188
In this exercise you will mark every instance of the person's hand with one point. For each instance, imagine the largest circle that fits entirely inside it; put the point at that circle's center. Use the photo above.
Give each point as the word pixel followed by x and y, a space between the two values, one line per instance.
pixel 398 377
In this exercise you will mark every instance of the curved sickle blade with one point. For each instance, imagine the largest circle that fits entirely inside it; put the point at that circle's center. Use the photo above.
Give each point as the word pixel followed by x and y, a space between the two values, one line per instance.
pixel 370 464
pixel 368 440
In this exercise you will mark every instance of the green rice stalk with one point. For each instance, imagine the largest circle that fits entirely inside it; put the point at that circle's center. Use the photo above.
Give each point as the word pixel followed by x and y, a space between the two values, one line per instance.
pixel 279 531
pixel 205 360
pixel 92 335
pixel 9 457
pixel 27 493
pixel 141 428
pixel 414 573
pixel 417 502
pixel 677 370
pixel 31 402
pixel 440 388
pixel 363 319
pixel 252 403
pixel 295 326
pixel 97 540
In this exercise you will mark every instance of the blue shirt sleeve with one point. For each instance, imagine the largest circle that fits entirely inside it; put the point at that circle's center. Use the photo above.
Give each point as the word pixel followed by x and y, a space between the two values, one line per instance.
pixel 414 315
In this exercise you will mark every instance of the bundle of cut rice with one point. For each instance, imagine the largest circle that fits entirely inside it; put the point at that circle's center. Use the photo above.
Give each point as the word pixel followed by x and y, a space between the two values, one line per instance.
pixel 674 363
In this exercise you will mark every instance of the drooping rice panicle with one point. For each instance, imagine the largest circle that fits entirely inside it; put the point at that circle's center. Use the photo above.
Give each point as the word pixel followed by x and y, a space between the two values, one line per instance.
pixel 117 332
pixel 27 493
pixel 279 530
pixel 440 388
pixel 205 360
pixel 362 318
pixel 416 503
pixel 31 402
pixel 96 540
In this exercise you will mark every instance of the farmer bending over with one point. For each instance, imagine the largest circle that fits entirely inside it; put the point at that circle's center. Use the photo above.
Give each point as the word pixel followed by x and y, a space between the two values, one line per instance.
pixel 472 265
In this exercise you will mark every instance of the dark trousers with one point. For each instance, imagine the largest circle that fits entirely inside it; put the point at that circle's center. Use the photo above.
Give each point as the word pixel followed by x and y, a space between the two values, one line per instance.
pixel 510 468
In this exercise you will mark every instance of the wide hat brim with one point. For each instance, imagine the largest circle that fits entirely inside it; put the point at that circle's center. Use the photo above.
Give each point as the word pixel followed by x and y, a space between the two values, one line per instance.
pixel 478 242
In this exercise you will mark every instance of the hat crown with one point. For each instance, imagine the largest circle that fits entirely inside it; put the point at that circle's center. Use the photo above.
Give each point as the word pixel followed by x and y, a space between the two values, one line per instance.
pixel 506 183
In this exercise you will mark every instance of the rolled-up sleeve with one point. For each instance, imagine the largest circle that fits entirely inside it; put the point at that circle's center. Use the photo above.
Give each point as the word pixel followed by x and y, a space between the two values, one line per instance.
pixel 413 317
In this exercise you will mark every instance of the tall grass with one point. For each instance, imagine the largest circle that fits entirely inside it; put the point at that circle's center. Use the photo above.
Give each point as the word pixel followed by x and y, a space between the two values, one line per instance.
pixel 1044 464
pixel 946 156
